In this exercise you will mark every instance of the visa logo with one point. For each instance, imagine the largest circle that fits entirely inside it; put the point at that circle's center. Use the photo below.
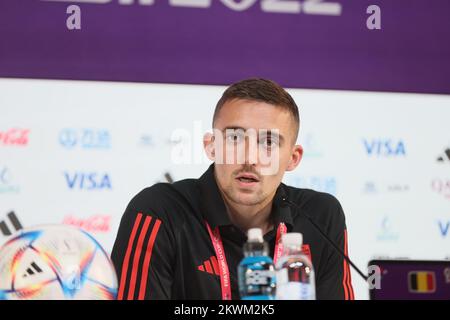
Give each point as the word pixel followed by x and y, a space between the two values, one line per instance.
pixel 87 181
pixel 444 228
pixel 384 148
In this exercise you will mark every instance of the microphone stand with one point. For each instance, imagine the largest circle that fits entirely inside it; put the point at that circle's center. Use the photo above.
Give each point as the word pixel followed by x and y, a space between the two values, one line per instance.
pixel 334 245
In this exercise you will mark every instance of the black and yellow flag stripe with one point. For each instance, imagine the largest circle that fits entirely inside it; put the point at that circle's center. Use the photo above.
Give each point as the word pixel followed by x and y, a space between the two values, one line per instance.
pixel 422 282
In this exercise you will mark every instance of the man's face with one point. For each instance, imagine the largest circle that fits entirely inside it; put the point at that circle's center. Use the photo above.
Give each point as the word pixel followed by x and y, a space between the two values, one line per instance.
pixel 254 144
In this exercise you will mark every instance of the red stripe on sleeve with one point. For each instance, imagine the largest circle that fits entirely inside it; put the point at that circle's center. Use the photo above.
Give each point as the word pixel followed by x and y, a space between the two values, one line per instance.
pixel 352 293
pixel 344 282
pixel 349 275
pixel 215 265
pixel 148 255
pixel 345 272
pixel 126 260
pixel 137 256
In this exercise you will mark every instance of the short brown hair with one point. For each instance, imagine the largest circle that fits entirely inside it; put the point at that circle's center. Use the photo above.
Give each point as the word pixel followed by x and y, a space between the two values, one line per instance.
pixel 258 89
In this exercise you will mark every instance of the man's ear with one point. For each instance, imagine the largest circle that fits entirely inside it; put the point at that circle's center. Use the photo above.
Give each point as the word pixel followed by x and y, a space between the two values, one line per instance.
pixel 208 145
pixel 296 157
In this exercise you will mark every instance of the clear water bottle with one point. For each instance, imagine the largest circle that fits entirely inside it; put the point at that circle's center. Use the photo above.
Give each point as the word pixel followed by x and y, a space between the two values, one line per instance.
pixel 256 272
pixel 294 270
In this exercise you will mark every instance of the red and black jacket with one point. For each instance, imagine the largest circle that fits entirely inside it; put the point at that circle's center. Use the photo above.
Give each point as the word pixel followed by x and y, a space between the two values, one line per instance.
pixel 163 249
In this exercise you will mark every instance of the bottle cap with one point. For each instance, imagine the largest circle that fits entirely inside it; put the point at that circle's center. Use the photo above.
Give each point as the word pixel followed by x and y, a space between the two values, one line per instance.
pixel 292 239
pixel 255 235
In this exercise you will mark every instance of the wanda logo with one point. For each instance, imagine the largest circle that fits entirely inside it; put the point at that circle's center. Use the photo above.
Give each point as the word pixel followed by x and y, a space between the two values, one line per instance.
pixel 94 224
pixel 14 137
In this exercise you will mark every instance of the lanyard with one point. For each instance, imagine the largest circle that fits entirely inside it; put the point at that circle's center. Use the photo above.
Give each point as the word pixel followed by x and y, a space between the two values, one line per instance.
pixel 225 283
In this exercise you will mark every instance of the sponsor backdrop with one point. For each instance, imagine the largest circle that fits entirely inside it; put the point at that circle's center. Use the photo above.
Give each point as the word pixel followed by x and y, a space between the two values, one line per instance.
pixel 75 152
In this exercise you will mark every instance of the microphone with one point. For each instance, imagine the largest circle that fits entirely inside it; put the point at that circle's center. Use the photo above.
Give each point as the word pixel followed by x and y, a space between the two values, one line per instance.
pixel 331 242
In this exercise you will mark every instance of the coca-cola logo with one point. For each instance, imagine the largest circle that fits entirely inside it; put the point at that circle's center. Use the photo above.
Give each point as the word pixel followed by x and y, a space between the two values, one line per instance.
pixel 14 137
pixel 96 223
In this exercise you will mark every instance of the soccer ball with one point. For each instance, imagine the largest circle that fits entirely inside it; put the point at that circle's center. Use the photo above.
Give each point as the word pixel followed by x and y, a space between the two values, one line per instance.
pixel 55 262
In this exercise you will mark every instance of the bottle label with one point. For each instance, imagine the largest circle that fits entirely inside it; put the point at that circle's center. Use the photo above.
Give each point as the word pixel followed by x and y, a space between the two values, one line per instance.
pixel 259 277
pixel 282 277
pixel 295 291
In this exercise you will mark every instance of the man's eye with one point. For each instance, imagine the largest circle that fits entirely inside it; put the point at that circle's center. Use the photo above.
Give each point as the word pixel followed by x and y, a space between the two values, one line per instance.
pixel 233 138
pixel 269 143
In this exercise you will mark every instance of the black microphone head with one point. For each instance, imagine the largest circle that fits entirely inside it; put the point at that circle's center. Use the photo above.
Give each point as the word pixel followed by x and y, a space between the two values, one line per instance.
pixel 281 198
pixel 284 201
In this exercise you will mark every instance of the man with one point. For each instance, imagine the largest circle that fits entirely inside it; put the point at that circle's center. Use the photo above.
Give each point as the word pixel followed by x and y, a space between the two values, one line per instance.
pixel 184 240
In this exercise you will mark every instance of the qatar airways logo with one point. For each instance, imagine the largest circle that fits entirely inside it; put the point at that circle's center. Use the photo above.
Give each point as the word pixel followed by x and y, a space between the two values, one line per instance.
pixel 315 7
pixel 441 186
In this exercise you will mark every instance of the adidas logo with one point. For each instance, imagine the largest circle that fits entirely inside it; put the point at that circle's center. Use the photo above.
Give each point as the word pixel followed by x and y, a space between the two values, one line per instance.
pixel 15 224
pixel 445 157
pixel 34 268
pixel 211 266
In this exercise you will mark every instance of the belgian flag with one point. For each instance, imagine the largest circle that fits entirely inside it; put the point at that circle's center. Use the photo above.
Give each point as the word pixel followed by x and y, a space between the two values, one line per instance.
pixel 422 282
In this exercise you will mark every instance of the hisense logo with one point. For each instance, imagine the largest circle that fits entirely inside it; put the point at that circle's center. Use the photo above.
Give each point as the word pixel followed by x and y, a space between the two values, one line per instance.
pixel 7 182
pixel 387 232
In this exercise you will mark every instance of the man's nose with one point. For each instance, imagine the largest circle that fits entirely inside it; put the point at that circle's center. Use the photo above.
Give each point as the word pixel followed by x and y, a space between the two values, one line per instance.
pixel 251 151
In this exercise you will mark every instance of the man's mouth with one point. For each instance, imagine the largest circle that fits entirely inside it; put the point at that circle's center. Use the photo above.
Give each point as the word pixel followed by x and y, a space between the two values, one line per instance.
pixel 247 178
